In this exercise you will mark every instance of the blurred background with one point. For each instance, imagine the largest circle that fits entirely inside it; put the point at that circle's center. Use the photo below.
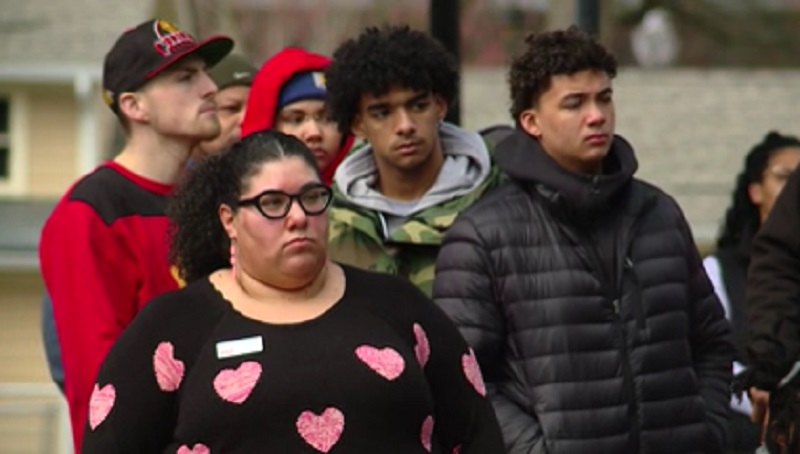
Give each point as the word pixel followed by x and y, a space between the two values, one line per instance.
pixel 701 82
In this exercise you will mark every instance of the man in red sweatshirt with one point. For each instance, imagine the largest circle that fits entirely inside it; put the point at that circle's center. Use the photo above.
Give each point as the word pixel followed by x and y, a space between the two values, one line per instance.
pixel 104 249
pixel 288 94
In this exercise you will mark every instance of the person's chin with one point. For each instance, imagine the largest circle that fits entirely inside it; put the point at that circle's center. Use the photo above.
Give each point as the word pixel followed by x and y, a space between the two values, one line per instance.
pixel 305 263
pixel 323 157
pixel 411 163
pixel 229 143
pixel 597 153
pixel 209 132
pixel 323 163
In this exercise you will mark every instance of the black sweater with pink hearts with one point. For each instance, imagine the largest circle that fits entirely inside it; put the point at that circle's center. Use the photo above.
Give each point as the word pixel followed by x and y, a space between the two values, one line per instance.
pixel 382 371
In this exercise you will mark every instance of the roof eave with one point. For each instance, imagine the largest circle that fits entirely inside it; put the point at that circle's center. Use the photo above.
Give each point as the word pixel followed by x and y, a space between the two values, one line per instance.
pixel 36 73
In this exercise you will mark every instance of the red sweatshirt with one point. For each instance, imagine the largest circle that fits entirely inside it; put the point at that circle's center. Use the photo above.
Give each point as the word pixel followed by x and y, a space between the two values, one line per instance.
pixel 103 254
pixel 262 102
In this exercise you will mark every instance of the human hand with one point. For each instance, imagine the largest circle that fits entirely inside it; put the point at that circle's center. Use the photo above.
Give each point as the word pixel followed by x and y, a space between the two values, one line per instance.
pixel 759 414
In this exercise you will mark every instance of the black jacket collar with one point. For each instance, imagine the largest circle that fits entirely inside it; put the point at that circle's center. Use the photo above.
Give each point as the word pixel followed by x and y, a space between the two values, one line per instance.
pixel 522 158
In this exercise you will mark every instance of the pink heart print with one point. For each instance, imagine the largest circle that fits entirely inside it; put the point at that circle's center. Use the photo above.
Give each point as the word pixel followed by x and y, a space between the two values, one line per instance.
pixel 473 372
pixel 199 448
pixel 100 404
pixel 422 348
pixel 169 371
pixel 386 362
pixel 427 433
pixel 323 431
pixel 235 385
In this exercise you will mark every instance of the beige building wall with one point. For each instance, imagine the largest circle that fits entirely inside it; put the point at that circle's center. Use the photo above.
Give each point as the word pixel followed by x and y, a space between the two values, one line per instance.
pixel 21 355
pixel 52 141
pixel 32 414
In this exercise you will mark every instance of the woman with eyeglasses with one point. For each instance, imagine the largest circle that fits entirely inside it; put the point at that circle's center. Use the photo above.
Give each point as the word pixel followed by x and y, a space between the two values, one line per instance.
pixel 767 167
pixel 283 350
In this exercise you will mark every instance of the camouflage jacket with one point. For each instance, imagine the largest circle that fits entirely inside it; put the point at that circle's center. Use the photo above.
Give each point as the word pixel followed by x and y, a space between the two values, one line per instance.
pixel 357 235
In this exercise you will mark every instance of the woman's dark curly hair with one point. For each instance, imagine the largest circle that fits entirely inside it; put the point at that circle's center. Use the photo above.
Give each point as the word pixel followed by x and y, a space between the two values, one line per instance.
pixel 561 52
pixel 199 243
pixel 381 57
pixel 742 219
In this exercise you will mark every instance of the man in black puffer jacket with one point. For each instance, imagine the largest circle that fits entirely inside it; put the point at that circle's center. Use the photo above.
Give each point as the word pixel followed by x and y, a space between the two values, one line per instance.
pixel 578 286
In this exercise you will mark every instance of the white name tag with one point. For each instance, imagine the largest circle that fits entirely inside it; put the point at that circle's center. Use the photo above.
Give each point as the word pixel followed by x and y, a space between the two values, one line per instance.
pixel 239 347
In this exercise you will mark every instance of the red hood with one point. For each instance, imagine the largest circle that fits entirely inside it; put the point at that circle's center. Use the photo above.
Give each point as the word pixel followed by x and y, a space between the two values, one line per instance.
pixel 263 98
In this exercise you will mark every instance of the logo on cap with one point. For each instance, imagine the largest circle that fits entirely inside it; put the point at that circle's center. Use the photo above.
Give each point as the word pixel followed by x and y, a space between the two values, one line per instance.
pixel 319 80
pixel 108 97
pixel 170 39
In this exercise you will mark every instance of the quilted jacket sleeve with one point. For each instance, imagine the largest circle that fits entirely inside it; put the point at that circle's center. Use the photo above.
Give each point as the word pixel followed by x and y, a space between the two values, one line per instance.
pixel 711 343
pixel 464 289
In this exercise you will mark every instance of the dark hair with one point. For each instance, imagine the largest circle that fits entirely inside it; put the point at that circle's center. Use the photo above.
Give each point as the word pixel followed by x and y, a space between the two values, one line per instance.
pixel 382 57
pixel 561 52
pixel 199 244
pixel 742 219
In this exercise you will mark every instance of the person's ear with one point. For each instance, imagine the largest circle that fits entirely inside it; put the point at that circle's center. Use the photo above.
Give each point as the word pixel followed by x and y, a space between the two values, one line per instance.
pixel 441 107
pixel 226 218
pixel 756 193
pixel 529 122
pixel 357 127
pixel 134 106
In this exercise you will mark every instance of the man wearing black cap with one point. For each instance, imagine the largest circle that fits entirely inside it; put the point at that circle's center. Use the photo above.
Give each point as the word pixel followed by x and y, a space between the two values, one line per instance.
pixel 103 251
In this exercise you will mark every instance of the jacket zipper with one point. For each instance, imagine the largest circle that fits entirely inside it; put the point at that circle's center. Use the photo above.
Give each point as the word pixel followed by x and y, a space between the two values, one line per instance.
pixel 613 290
pixel 384 226
pixel 627 378
pixel 627 370
pixel 625 264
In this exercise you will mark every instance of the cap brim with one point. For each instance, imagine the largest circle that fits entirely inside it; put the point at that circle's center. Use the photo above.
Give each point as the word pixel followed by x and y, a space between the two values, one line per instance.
pixel 214 49
pixel 211 50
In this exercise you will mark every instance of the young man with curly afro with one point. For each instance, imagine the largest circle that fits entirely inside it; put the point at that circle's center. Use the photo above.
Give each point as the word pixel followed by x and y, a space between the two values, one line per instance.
pixel 396 196
pixel 578 285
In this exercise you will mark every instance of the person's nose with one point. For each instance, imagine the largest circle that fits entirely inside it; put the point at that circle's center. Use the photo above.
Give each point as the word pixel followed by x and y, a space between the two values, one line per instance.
pixel 312 131
pixel 296 217
pixel 207 86
pixel 405 123
pixel 596 115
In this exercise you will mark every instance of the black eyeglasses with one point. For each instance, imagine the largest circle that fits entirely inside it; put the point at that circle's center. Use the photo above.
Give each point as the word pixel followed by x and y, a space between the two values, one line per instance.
pixel 273 204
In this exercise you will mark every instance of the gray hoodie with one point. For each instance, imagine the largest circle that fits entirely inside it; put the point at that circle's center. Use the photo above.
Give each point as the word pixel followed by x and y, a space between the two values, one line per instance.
pixel 466 165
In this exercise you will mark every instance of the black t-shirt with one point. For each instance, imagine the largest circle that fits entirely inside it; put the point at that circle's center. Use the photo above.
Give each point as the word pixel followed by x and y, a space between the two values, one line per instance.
pixel 381 371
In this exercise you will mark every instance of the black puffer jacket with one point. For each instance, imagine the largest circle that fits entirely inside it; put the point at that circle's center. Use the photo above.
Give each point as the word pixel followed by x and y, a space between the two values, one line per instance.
pixel 585 300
